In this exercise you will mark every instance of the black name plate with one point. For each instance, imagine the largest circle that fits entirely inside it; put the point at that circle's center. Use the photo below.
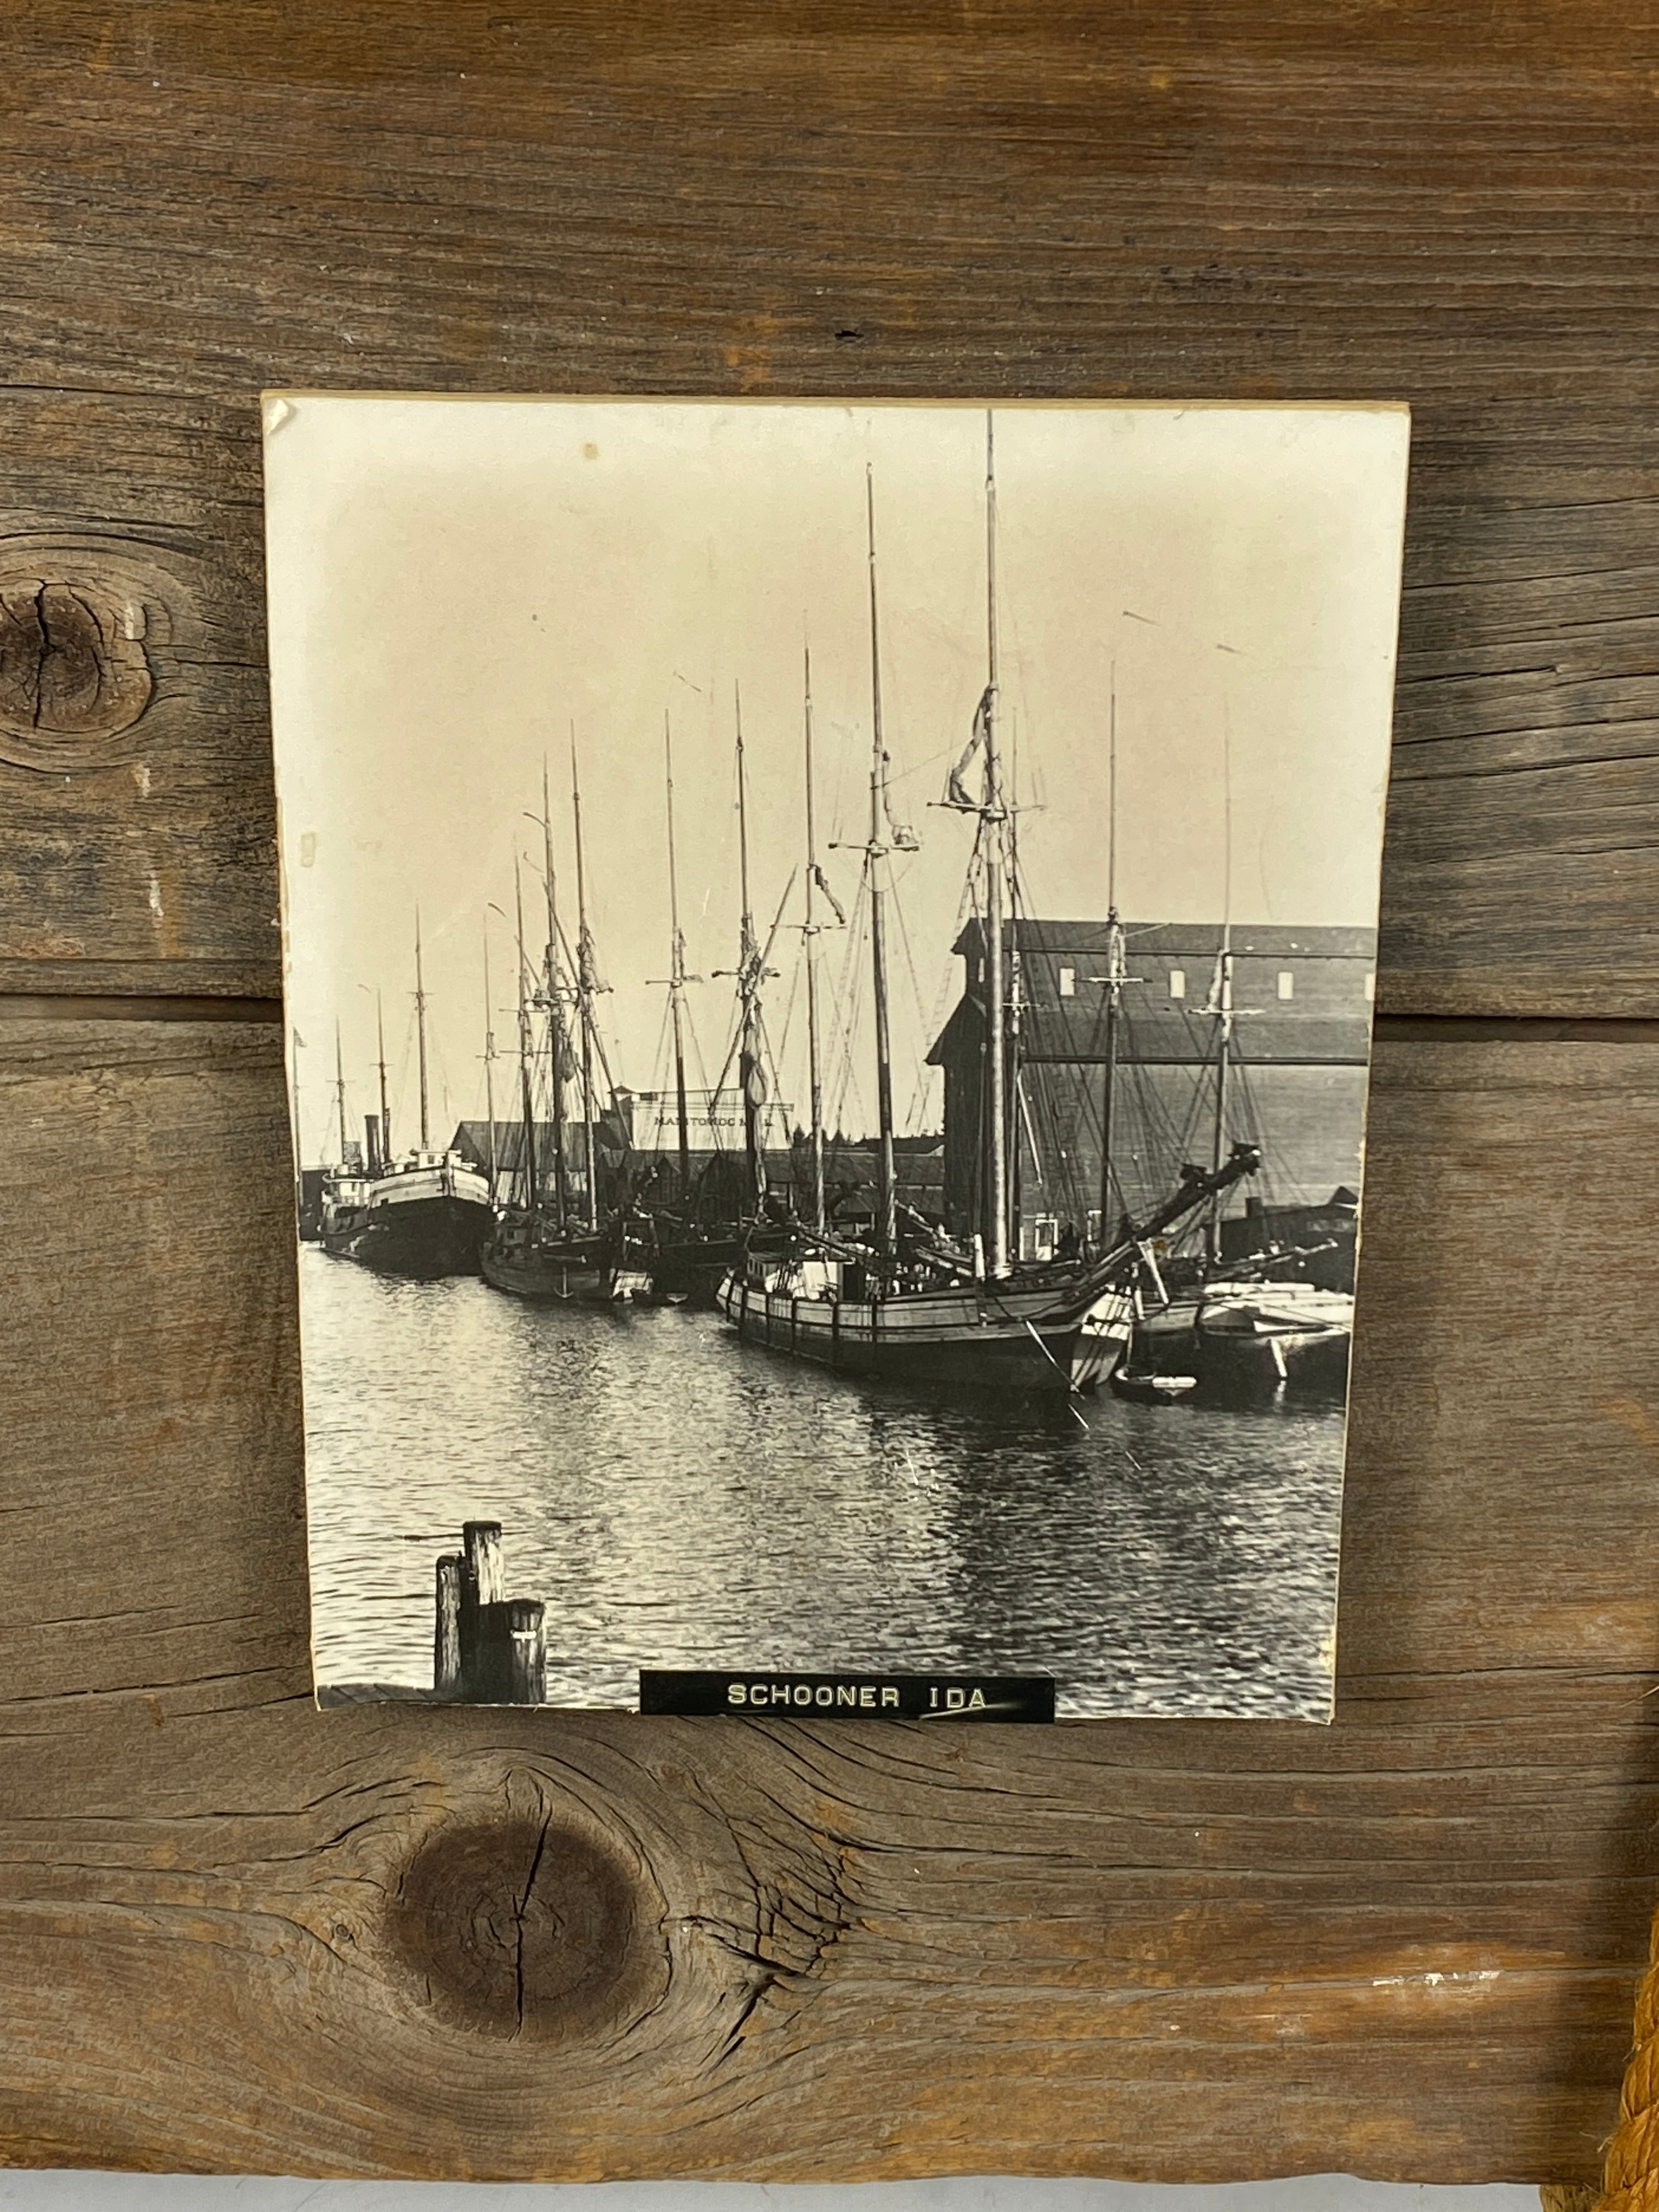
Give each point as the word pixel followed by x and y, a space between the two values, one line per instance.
pixel 757 1693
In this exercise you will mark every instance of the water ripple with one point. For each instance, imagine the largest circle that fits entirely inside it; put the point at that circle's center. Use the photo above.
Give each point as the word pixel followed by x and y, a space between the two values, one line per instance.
pixel 679 1499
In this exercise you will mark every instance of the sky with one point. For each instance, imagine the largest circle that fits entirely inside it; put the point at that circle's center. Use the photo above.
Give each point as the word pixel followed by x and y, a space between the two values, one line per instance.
pixel 458 588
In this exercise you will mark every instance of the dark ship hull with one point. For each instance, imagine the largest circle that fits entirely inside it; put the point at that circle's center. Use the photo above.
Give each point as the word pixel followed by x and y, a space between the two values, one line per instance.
pixel 555 1270
pixel 692 1269
pixel 426 1236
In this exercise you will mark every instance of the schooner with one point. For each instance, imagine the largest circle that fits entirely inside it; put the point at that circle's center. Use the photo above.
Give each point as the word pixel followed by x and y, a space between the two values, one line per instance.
pixel 903 1301
pixel 547 1241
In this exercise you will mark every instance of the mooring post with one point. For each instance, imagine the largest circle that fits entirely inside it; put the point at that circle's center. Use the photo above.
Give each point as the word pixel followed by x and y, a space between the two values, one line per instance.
pixel 485 1560
pixel 484 1584
pixel 527 1654
pixel 446 1637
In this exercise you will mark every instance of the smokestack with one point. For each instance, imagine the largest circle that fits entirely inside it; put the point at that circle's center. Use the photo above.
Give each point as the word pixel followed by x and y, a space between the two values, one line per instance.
pixel 372 1153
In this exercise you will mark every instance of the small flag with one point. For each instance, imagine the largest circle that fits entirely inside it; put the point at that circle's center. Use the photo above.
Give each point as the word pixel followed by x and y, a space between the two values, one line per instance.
pixel 955 790
pixel 823 882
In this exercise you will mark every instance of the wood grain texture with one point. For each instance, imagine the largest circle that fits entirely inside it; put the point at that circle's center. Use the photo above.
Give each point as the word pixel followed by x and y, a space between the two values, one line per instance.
pixel 235 1932
pixel 1216 201
pixel 238 1933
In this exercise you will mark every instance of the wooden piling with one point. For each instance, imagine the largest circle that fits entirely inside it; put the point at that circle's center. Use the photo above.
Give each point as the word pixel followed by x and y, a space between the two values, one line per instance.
pixel 526 1652
pixel 484 1583
pixel 447 1660
pixel 485 1560
pixel 488 1649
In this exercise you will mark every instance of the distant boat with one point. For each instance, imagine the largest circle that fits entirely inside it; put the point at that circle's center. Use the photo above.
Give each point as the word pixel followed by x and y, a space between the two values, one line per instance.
pixel 543 1245
pixel 426 1215
pixel 1280 1316
pixel 688 1228
pixel 524 1258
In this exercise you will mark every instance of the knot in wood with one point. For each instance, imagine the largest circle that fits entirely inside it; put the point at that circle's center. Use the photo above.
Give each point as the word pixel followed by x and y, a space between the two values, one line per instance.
pixel 74 672
pixel 522 1927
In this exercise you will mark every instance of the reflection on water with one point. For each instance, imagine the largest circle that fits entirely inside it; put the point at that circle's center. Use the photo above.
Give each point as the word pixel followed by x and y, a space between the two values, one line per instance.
pixel 679 1499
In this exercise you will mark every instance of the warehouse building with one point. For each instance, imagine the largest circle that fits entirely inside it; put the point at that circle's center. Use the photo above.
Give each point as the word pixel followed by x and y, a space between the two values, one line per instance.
pixel 1300 1042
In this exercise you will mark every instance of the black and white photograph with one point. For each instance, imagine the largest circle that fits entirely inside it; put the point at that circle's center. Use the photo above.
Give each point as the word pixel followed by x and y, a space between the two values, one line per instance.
pixel 829 954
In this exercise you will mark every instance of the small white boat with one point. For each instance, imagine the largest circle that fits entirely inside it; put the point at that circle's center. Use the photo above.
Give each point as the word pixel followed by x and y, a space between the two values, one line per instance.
pixel 1269 1334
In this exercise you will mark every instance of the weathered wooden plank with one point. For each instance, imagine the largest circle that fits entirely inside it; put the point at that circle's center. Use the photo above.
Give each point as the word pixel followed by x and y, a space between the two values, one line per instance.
pixel 1223 202
pixel 1227 187
pixel 1403 1945
pixel 1523 865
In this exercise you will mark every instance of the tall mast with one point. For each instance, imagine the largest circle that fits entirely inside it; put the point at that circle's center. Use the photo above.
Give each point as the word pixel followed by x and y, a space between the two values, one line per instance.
pixel 526 1087
pixel 887 1183
pixel 997 1240
pixel 1221 999
pixel 676 975
pixel 810 943
pixel 555 1013
pixel 750 1074
pixel 1114 977
pixel 489 1061
pixel 339 1088
pixel 1221 1007
pixel 420 1030
pixel 584 997
pixel 385 1109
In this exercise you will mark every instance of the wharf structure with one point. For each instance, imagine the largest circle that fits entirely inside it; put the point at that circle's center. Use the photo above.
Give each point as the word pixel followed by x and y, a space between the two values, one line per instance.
pixel 1294 1025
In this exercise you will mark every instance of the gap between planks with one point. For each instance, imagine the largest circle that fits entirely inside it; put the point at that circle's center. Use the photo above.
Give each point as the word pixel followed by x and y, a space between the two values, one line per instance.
pixel 1428 1028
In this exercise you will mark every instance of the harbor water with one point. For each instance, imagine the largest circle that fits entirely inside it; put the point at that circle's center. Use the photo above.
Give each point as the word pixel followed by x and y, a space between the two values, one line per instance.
pixel 679 1499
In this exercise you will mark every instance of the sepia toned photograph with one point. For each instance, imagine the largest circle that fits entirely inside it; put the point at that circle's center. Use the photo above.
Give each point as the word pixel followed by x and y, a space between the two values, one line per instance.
pixel 829 957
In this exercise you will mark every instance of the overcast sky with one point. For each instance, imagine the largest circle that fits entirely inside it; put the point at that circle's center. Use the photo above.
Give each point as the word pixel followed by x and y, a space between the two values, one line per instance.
pixel 455 584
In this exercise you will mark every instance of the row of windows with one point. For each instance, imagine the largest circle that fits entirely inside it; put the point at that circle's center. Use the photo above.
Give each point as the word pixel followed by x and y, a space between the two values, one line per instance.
pixel 1178 983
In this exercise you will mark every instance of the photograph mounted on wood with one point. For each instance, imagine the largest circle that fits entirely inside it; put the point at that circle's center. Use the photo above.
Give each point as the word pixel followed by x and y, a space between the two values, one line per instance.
pixel 829 954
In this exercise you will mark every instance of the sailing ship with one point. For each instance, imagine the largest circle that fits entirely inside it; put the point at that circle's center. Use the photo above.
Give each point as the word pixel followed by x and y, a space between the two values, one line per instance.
pixel 425 1215
pixel 905 1303
pixel 685 1239
pixel 544 1244
pixel 1254 1325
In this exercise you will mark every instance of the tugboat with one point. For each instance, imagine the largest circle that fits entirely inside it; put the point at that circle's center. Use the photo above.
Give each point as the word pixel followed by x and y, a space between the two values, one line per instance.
pixel 426 1216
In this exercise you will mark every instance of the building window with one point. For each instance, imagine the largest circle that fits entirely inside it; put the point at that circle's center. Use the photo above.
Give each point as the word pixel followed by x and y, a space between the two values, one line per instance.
pixel 1177 982
pixel 1068 982
pixel 1370 989
pixel 1286 983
